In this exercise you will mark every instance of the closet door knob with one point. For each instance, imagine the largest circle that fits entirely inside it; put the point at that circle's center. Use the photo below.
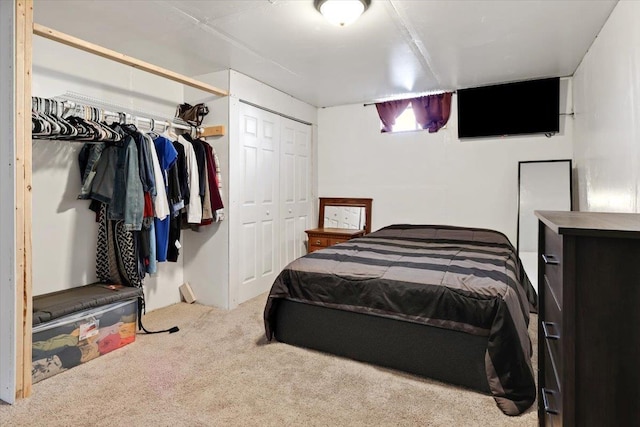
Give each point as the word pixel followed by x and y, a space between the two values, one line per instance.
pixel 290 211
pixel 268 213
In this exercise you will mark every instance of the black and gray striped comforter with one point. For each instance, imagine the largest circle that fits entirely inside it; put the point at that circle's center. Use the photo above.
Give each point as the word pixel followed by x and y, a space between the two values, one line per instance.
pixel 465 279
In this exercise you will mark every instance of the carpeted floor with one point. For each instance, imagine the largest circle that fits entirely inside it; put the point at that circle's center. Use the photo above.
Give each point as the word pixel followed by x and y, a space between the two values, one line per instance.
pixel 220 371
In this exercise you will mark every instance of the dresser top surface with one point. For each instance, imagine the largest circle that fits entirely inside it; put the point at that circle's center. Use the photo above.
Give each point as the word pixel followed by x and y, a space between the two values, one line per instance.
pixel 604 224
pixel 335 231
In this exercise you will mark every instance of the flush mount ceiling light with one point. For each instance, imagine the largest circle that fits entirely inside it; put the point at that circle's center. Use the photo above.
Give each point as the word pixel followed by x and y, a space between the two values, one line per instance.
pixel 341 12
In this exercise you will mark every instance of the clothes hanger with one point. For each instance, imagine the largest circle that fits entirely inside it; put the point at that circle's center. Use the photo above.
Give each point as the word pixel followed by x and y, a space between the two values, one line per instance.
pixel 171 132
pixel 68 130
pixel 40 127
pixel 90 127
pixel 152 129
pixel 56 128
pixel 78 118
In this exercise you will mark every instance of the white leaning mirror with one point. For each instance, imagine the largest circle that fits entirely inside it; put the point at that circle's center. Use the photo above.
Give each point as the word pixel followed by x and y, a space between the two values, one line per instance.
pixel 543 185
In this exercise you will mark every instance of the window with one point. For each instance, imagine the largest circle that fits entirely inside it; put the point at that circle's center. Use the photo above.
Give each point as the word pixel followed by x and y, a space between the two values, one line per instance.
pixel 424 112
pixel 405 121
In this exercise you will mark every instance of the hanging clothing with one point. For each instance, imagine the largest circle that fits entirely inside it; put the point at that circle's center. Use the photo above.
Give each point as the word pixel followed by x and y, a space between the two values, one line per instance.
pixel 199 150
pixel 88 160
pixel 152 267
pixel 214 181
pixel 175 231
pixel 102 185
pixel 127 202
pixel 183 179
pixel 167 156
pixel 176 199
pixel 207 212
pixel 160 201
pixel 194 208
pixel 214 189
pixel 145 164
pixel 116 256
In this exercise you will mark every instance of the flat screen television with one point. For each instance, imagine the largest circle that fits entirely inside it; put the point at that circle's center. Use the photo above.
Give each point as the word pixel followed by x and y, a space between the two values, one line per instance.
pixel 526 107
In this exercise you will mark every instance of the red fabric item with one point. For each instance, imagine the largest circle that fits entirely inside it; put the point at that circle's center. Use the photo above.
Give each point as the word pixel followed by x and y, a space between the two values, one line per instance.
pixel 109 343
pixel 148 206
pixel 214 191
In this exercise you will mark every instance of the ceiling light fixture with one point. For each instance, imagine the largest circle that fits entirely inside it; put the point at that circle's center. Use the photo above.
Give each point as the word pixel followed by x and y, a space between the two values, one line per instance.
pixel 341 12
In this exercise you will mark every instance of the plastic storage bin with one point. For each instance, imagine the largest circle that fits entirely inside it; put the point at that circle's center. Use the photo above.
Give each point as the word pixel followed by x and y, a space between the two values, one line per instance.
pixel 68 341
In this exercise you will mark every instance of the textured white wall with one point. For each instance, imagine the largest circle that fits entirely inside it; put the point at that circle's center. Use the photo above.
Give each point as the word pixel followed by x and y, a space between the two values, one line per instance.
pixel 206 253
pixel 422 178
pixel 607 116
pixel 64 230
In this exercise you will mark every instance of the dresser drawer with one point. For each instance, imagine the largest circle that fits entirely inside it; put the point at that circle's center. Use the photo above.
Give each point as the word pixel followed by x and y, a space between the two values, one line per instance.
pixel 551 256
pixel 315 248
pixel 318 241
pixel 552 420
pixel 337 240
pixel 551 326
pixel 550 393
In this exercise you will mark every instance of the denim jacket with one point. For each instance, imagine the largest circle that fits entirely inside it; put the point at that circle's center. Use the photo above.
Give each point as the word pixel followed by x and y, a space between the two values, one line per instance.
pixel 89 158
pixel 145 166
pixel 104 178
pixel 127 202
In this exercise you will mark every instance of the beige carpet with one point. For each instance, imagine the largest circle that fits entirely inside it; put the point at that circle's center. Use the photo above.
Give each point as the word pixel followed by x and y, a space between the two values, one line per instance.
pixel 219 371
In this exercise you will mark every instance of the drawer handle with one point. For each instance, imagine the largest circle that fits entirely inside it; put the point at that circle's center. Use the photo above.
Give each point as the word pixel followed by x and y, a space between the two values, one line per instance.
pixel 547 407
pixel 547 335
pixel 317 242
pixel 550 259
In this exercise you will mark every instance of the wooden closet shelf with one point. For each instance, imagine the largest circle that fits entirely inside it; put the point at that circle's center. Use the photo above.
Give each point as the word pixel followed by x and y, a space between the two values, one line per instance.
pixel 213 131
pixel 68 40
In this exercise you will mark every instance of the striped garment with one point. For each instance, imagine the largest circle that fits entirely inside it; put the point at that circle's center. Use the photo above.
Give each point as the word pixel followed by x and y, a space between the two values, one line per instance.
pixel 465 279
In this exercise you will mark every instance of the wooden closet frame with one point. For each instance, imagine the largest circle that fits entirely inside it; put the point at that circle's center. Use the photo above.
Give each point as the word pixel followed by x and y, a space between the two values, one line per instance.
pixel 24 30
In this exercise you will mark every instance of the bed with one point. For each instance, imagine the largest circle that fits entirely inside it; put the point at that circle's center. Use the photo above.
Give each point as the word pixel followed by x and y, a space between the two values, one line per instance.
pixel 444 302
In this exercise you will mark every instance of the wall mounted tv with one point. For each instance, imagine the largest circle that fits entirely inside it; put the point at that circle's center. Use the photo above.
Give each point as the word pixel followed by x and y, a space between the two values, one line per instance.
pixel 510 109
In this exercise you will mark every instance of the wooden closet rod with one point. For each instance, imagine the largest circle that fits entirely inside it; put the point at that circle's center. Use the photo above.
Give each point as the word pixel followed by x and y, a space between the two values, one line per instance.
pixel 54 35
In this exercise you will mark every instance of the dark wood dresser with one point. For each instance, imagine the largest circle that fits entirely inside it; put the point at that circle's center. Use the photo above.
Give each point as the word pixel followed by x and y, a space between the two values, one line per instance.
pixel 589 319
pixel 322 237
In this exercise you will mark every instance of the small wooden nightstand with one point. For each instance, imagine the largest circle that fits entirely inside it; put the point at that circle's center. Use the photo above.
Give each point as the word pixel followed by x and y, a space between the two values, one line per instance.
pixel 320 238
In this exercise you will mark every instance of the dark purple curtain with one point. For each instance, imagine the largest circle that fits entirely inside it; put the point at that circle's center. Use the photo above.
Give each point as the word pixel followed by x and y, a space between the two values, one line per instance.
pixel 432 111
pixel 388 111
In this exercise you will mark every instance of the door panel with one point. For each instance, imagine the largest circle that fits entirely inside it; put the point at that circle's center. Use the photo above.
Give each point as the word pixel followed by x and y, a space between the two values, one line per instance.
pixel 295 168
pixel 248 256
pixel 259 207
pixel 275 204
pixel 268 253
pixel 250 175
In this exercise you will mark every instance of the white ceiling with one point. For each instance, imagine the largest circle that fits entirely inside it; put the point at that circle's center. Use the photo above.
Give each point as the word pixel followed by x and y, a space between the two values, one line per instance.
pixel 396 48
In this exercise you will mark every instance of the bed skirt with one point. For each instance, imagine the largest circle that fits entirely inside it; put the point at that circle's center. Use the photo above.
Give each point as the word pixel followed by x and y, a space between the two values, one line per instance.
pixel 445 355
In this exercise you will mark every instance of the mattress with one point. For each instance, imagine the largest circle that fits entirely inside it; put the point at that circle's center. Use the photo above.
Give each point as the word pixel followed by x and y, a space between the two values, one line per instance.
pixel 463 279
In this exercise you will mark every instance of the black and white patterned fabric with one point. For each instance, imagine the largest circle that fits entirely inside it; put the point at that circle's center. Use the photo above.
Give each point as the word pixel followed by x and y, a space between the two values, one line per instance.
pixel 116 255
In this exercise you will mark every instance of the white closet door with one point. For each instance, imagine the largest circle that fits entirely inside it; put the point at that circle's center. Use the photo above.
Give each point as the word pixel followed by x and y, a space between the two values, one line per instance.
pixel 295 188
pixel 259 201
